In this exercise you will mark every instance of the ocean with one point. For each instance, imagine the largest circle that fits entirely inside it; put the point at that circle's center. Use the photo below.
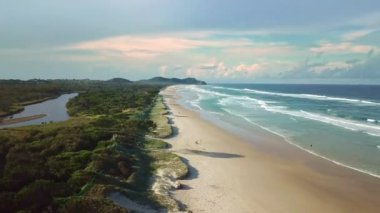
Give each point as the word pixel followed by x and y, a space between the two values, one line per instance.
pixel 340 123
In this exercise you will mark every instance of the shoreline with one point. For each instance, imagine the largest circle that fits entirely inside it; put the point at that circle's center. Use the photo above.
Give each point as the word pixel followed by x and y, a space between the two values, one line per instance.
pixel 290 178
pixel 271 133
pixel 315 154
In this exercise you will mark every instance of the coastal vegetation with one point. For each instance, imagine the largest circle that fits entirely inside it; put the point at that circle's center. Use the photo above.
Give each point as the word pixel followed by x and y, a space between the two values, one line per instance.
pixel 103 148
pixel 158 116
pixel 168 168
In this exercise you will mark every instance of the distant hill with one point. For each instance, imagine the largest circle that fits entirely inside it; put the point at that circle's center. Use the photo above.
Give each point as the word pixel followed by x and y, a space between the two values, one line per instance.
pixel 117 81
pixel 120 80
pixel 167 81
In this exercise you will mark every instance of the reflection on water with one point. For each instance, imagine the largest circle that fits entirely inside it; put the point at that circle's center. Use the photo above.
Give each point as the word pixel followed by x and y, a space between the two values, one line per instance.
pixel 54 109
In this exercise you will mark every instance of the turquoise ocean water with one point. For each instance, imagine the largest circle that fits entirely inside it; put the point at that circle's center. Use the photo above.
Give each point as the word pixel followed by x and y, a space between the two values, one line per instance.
pixel 340 123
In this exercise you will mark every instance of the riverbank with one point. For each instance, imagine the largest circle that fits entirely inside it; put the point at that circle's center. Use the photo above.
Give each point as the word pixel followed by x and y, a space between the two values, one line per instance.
pixel 19 107
pixel 5 117
pixel 231 174
pixel 20 120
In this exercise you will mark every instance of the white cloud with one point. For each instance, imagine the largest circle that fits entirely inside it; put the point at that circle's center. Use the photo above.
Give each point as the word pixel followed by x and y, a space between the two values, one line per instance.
pixel 334 65
pixel 197 73
pixel 248 70
pixel 163 70
pixel 344 47
pixel 351 36
pixel 220 70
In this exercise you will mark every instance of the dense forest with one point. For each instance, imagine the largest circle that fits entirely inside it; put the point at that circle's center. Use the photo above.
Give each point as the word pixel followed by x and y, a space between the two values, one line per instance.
pixel 72 165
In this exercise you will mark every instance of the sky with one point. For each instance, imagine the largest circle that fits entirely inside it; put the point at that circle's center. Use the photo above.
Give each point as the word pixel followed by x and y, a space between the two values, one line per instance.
pixel 231 41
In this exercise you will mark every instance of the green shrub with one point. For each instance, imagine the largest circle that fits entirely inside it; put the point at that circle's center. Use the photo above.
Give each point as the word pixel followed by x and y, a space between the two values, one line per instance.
pixel 36 196
pixel 90 204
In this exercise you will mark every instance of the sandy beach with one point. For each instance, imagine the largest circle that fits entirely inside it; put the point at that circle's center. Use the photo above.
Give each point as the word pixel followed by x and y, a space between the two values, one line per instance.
pixel 229 173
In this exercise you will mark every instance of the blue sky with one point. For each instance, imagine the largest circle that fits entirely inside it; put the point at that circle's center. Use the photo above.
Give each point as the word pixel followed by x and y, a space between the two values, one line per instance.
pixel 217 41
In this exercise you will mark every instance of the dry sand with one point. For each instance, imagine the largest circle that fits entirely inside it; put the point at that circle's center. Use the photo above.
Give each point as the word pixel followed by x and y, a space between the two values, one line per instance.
pixel 231 174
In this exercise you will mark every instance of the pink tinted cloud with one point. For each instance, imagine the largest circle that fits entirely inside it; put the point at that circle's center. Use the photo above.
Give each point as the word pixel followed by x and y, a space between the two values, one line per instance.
pixel 248 70
pixel 261 50
pixel 138 47
pixel 147 47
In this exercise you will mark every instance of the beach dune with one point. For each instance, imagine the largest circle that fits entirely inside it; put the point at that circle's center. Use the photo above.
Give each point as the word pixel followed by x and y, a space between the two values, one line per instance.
pixel 229 173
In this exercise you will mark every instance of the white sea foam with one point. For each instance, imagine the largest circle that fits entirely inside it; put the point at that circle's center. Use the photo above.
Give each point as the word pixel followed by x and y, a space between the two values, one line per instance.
pixel 371 120
pixel 246 101
pixel 368 128
pixel 208 92
pixel 376 135
pixel 201 95
pixel 218 87
pixel 196 102
pixel 227 88
pixel 315 97
pixel 340 122
pixel 305 96
pixel 216 113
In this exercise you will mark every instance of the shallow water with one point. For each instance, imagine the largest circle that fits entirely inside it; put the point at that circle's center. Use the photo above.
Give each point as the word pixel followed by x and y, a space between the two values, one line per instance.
pixel 55 110
pixel 340 123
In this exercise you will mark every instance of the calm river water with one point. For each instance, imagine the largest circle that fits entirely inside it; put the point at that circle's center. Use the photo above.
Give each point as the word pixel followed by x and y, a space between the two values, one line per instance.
pixel 55 110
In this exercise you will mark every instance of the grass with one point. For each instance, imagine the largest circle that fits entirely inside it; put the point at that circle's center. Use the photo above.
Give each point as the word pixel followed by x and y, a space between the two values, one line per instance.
pixel 89 204
pixel 154 144
pixel 171 161
pixel 158 116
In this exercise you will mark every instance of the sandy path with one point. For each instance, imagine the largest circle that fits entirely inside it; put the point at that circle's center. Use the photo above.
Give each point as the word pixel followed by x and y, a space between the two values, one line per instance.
pixel 230 175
